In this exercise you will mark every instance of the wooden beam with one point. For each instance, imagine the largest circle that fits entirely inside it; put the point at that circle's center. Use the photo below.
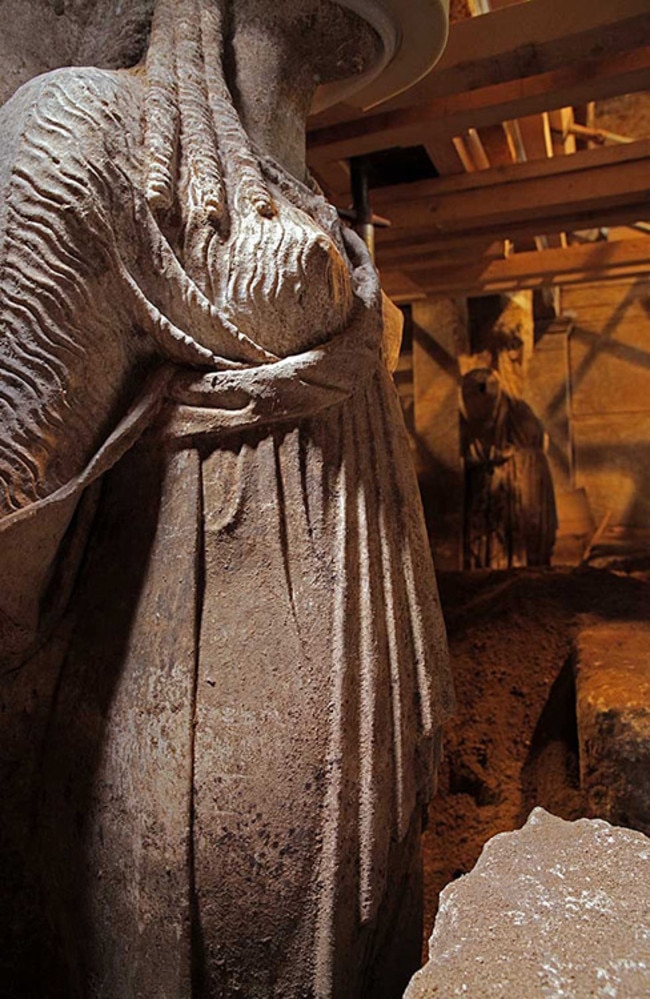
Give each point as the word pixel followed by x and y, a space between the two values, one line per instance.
pixel 401 288
pixel 409 254
pixel 572 265
pixel 574 83
pixel 599 135
pixel 541 196
pixel 529 39
pixel 523 234
pixel 587 160
pixel 443 155
pixel 332 175
pixel 561 122
pixel 536 136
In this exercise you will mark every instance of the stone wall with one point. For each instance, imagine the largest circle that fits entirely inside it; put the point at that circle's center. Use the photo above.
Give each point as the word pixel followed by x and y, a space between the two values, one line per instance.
pixel 589 382
pixel 439 338
pixel 609 371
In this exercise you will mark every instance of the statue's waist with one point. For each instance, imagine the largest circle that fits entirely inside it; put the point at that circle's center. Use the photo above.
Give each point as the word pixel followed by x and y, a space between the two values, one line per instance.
pixel 291 389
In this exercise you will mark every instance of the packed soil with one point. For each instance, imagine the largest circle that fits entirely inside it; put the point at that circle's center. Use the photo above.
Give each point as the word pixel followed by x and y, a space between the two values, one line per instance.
pixel 512 744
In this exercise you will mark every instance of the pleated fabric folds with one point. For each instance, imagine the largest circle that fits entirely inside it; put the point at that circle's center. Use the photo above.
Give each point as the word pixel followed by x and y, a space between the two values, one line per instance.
pixel 247 671
pixel 314 744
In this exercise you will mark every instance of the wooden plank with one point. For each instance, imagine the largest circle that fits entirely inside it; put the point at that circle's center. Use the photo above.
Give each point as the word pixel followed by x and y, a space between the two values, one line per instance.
pixel 443 155
pixel 595 303
pixel 514 142
pixel 536 136
pixel 575 83
pixel 529 39
pixel 572 265
pixel 592 181
pixel 409 254
pixel 401 288
pixel 539 199
pixel 589 134
pixel 571 168
pixel 464 154
pixel 332 175
pixel 523 234
pixel 561 121
pixel 476 149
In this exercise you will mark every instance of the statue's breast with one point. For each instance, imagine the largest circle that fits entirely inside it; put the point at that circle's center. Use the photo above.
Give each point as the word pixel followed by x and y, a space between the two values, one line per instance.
pixel 283 281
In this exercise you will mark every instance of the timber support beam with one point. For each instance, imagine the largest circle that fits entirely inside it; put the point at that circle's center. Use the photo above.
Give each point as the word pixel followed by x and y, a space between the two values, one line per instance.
pixel 562 194
pixel 603 261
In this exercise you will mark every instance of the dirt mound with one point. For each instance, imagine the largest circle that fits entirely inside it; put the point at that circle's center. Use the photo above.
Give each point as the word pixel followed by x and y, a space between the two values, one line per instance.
pixel 513 743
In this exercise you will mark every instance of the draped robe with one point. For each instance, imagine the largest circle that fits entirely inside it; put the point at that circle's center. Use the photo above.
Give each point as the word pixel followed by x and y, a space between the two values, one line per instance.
pixel 223 656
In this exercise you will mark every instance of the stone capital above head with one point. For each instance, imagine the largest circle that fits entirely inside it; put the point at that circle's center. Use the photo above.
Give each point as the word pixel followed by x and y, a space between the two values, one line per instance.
pixel 413 35
pixel 112 34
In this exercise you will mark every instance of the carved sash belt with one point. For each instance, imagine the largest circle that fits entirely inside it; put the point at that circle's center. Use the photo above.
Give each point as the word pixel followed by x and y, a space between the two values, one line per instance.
pixel 219 402
pixel 184 405
pixel 292 389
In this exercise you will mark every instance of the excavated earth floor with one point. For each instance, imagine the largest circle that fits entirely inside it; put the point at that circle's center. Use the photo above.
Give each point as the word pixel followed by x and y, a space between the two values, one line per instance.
pixel 513 742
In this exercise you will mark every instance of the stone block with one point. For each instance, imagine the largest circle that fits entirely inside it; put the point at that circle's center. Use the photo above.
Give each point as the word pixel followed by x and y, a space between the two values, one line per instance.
pixel 547 392
pixel 439 336
pixel 613 712
pixel 612 452
pixel 556 909
pixel 608 348
pixel 610 397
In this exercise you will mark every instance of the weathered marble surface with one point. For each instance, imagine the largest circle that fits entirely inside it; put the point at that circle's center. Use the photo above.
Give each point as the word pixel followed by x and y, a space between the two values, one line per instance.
pixel 223 669
pixel 41 35
pixel 556 909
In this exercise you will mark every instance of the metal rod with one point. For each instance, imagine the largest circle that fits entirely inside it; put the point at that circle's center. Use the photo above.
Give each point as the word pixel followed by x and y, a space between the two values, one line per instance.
pixel 363 215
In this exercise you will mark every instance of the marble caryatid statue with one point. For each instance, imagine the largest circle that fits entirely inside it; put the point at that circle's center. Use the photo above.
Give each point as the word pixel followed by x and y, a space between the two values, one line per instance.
pixel 510 517
pixel 223 665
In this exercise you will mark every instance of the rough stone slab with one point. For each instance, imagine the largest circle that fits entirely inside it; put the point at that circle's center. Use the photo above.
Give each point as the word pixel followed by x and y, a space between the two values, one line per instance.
pixel 556 909
pixel 613 713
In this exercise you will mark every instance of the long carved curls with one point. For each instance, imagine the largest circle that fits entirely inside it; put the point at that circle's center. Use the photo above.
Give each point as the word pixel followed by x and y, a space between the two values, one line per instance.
pixel 161 111
pixel 198 154
pixel 250 191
